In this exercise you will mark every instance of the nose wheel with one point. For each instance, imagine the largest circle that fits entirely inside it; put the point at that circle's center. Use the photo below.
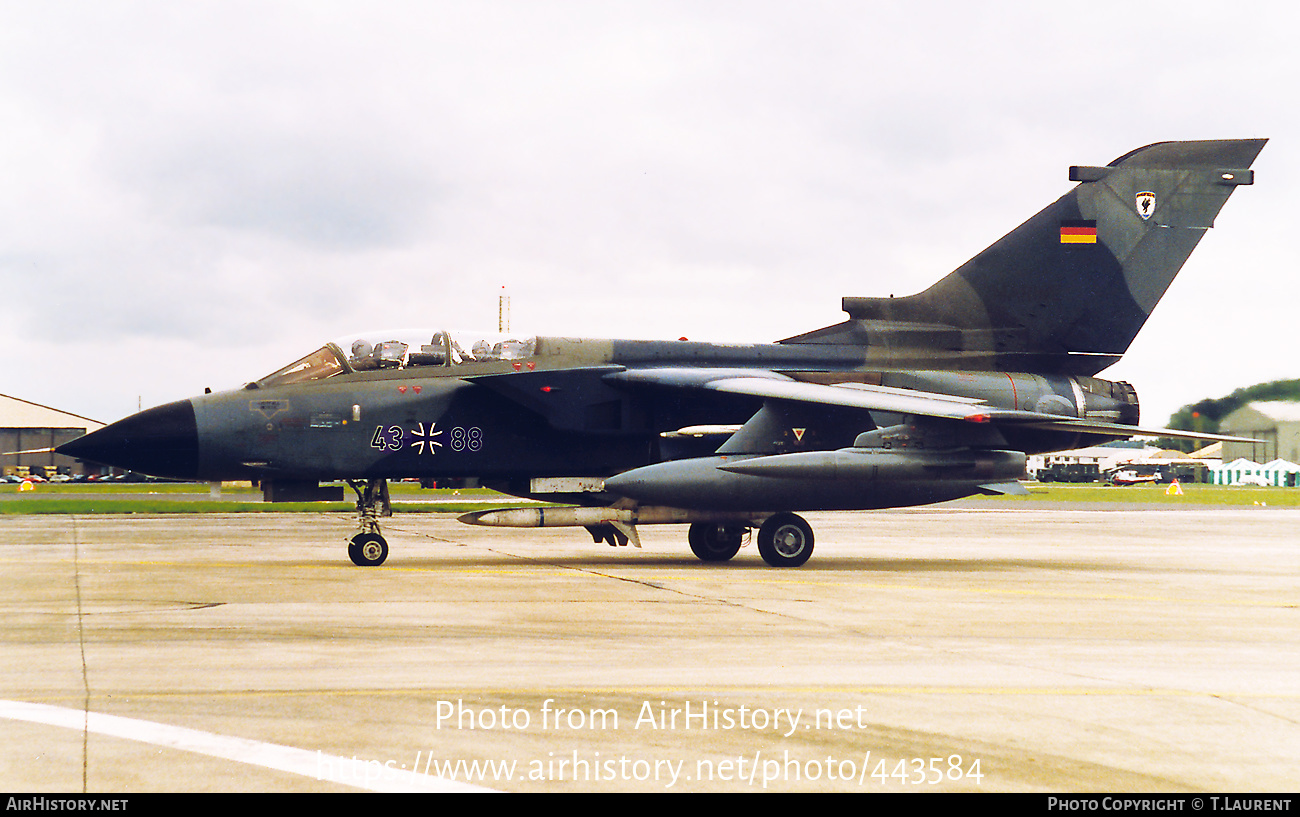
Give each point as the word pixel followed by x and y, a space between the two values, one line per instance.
pixel 368 548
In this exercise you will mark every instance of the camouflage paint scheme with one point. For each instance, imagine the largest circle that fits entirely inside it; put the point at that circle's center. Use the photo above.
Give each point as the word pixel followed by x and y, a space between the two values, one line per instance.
pixel 911 400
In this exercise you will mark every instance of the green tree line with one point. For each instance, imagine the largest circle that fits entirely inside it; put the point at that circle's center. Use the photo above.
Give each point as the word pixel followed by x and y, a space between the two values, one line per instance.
pixel 1207 413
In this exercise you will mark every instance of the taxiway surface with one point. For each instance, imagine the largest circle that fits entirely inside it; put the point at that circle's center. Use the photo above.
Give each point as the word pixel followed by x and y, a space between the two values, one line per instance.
pixel 949 648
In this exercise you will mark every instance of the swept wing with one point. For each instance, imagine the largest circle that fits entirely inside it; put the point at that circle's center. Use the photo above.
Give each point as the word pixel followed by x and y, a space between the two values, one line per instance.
pixel 776 386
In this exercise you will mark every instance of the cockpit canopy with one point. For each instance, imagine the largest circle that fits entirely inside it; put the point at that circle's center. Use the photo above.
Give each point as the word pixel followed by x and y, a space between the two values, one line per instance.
pixel 400 349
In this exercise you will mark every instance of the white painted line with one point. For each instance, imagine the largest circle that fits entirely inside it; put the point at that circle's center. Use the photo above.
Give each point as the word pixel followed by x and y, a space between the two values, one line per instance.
pixel 370 775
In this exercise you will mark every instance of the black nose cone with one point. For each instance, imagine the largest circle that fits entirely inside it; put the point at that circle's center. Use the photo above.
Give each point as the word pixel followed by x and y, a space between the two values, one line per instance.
pixel 161 442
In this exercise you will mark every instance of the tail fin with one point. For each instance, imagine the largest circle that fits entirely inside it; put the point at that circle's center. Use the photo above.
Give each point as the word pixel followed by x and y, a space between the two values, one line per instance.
pixel 1068 290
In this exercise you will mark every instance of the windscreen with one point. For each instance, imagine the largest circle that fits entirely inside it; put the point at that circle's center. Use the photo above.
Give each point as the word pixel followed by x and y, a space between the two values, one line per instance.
pixel 320 364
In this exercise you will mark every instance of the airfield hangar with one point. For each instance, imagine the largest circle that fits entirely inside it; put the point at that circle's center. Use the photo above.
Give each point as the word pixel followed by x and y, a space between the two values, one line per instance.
pixel 28 426
pixel 1276 423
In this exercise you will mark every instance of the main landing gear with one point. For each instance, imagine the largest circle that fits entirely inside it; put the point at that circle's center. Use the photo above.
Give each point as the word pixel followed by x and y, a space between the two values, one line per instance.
pixel 784 540
pixel 367 548
pixel 716 543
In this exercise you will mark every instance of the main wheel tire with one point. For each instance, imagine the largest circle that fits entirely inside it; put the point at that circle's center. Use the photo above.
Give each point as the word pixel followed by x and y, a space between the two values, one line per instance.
pixel 785 540
pixel 714 543
pixel 368 549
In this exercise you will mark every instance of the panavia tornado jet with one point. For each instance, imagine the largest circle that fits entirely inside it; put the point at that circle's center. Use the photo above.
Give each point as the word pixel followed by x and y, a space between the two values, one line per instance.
pixel 909 401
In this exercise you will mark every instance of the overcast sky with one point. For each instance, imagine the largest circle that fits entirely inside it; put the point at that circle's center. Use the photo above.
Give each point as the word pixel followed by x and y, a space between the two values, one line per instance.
pixel 193 194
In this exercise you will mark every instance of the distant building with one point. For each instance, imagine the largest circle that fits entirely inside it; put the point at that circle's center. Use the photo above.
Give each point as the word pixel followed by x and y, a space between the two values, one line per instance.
pixel 27 426
pixel 1210 453
pixel 1095 463
pixel 1276 423
pixel 1085 464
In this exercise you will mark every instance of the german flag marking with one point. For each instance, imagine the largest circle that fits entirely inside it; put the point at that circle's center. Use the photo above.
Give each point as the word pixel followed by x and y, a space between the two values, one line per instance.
pixel 1078 231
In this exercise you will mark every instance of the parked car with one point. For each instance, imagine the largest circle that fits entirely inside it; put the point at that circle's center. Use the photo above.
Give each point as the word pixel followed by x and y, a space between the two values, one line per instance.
pixel 1127 476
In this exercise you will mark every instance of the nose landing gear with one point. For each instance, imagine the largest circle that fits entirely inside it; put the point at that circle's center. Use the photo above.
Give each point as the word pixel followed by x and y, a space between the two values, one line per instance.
pixel 368 548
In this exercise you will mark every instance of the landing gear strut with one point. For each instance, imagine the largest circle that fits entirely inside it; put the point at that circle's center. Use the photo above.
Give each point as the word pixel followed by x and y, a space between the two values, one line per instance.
pixel 785 540
pixel 712 542
pixel 367 548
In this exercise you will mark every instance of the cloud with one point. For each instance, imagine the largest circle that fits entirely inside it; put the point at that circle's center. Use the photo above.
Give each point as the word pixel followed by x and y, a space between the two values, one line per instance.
pixel 315 190
pixel 253 176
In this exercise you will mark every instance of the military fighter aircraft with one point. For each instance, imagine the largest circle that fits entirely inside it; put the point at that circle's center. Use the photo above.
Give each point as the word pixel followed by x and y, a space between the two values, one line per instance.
pixel 909 401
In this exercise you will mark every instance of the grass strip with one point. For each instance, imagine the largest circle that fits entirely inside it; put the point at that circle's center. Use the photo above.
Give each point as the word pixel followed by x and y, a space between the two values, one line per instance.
pixel 164 498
